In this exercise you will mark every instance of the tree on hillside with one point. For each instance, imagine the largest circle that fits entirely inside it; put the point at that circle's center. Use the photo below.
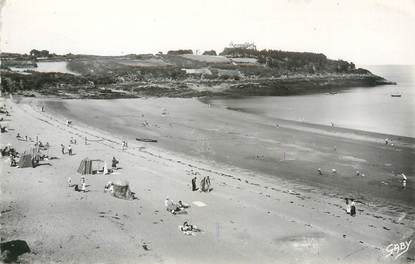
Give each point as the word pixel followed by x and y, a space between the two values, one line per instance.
pixel 210 52
pixel 39 53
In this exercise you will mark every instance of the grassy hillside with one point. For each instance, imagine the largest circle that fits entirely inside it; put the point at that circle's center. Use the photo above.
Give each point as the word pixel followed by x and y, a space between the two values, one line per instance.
pixel 235 71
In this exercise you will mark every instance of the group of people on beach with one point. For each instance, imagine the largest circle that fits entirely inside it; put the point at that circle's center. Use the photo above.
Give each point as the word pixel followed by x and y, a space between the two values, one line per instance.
pixel 78 187
pixel 205 184
pixel 70 153
pixel 173 207
pixel 350 207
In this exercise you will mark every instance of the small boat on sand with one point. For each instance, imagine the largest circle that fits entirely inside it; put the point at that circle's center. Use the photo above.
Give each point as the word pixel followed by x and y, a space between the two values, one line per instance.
pixel 146 140
pixel 396 95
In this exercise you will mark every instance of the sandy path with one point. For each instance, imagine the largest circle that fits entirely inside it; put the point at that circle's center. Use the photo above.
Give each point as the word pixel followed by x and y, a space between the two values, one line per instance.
pixel 247 219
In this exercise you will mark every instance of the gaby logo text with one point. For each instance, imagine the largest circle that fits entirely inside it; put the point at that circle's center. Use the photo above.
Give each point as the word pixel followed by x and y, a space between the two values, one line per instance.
pixel 397 250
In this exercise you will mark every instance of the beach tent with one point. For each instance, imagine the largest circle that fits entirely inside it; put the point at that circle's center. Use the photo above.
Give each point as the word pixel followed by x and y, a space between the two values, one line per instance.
pixel 25 160
pixel 29 158
pixel 121 189
pixel 87 166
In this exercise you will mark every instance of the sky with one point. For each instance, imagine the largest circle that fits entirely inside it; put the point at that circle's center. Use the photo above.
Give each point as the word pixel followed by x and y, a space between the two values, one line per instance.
pixel 362 31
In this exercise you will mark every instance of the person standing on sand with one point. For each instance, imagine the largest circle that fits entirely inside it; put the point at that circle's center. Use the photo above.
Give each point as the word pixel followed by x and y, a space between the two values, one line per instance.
pixel 63 149
pixel 86 141
pixel 348 208
pixel 70 150
pixel 70 182
pixel 83 187
pixel 208 183
pixel 114 163
pixel 194 187
pixel 353 208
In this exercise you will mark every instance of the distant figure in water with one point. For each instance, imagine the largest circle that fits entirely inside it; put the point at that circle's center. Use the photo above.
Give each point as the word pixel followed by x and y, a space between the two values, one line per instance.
pixel 404 179
pixel 353 208
pixel 332 124
pixel 319 171
pixel 333 171
pixel 43 109
pixel 386 141
pixel 357 173
pixel 194 187
pixel 348 208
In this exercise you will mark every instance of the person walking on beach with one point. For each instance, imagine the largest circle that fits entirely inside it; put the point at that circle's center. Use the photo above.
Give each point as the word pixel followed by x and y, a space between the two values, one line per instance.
pixel 353 208
pixel 114 163
pixel 70 150
pixel 194 187
pixel 70 182
pixel 63 148
pixel 83 187
pixel 348 208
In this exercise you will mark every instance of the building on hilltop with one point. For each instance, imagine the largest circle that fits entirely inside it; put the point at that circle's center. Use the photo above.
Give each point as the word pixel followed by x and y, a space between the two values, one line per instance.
pixel 246 45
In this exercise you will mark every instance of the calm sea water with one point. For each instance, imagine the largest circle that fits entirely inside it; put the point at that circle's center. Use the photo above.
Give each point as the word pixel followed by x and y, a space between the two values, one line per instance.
pixel 370 109
pixel 48 66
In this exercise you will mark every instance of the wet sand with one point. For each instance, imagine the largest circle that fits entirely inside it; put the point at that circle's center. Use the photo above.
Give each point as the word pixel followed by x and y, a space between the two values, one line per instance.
pixel 251 215
pixel 255 144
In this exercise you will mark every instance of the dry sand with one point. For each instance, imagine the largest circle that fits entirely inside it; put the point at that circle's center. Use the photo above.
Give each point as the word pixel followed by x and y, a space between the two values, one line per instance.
pixel 248 218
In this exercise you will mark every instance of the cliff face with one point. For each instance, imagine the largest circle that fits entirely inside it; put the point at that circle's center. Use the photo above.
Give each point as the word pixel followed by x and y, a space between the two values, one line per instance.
pixel 241 72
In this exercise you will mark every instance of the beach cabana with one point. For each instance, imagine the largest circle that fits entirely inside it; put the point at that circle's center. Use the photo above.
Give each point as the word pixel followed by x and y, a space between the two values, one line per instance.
pixel 121 189
pixel 25 161
pixel 88 166
pixel 29 158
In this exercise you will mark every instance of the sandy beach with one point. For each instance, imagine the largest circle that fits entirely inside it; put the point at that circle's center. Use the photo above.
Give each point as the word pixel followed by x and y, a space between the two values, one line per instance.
pixel 271 205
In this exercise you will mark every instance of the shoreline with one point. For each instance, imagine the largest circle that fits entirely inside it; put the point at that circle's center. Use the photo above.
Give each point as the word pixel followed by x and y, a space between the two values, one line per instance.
pixel 402 140
pixel 294 142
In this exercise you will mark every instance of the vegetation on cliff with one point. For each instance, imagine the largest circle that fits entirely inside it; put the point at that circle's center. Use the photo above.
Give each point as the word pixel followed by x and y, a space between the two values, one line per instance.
pixel 237 71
